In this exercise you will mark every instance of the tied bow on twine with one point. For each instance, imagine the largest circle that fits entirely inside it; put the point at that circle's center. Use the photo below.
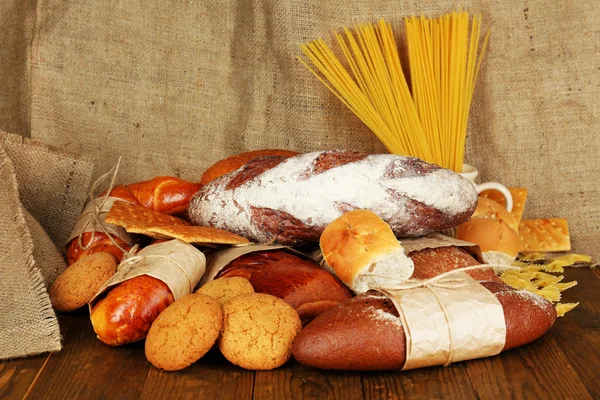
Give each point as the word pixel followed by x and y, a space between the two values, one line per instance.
pixel 445 281
pixel 97 210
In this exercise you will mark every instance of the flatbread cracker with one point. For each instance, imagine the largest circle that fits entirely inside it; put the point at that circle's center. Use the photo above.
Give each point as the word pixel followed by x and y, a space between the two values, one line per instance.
pixel 137 219
pixel 198 234
pixel 519 198
pixel 544 235
pixel 141 220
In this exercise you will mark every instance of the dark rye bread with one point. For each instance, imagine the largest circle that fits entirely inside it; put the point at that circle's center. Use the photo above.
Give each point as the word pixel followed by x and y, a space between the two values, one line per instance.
pixel 291 200
pixel 301 283
pixel 366 333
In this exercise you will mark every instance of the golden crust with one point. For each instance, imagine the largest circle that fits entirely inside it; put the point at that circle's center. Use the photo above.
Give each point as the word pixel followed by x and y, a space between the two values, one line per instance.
pixel 354 241
pixel 81 280
pixel 184 332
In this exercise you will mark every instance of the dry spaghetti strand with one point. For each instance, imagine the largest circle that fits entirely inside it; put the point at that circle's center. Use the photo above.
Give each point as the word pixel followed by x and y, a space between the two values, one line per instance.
pixel 429 122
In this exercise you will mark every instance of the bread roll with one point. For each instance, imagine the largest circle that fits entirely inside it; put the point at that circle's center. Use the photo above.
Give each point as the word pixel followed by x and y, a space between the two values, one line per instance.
pixel 494 229
pixel 291 200
pixel 128 310
pixel 302 283
pixel 366 333
pixel 363 252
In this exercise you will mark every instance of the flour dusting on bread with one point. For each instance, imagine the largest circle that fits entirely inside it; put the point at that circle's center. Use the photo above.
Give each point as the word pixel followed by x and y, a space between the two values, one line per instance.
pixel 414 197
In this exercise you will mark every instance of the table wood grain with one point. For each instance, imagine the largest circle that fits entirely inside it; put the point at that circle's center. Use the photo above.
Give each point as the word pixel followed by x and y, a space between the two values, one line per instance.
pixel 563 364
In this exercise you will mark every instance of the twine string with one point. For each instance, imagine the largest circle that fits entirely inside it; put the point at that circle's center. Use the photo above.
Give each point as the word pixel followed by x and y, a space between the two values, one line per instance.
pixel 97 209
pixel 133 261
pixel 444 281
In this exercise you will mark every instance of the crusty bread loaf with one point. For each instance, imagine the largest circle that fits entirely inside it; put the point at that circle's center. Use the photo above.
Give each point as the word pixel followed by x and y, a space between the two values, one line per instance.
pixel 366 333
pixel 363 252
pixel 291 200
pixel 128 310
pixel 300 282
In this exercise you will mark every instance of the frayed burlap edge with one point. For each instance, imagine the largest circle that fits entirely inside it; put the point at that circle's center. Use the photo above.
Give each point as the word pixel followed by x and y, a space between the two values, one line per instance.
pixel 43 335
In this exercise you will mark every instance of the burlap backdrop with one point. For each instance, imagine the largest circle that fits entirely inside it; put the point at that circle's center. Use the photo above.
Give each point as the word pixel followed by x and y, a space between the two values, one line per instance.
pixel 174 86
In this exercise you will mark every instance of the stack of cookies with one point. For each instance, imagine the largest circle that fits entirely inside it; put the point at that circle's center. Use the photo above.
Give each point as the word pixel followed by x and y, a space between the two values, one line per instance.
pixel 253 330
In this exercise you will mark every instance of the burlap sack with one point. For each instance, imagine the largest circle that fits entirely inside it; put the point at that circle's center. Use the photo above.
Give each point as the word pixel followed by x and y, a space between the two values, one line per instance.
pixel 28 324
pixel 53 186
pixel 174 86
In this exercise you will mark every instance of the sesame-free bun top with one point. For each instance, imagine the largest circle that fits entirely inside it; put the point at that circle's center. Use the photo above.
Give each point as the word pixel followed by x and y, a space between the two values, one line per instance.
pixel 493 228
pixel 363 251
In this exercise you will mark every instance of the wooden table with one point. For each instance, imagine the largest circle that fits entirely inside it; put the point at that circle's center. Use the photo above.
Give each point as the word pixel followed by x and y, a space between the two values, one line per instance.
pixel 563 364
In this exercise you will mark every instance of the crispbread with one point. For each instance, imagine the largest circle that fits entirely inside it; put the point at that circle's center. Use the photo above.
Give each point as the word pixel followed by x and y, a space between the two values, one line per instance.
pixel 141 220
pixel 137 219
pixel 544 235
pixel 197 234
pixel 519 196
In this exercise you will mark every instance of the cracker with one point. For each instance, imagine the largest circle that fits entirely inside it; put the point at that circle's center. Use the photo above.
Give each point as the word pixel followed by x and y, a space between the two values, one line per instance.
pixel 519 198
pixel 198 234
pixel 141 220
pixel 544 235
pixel 137 219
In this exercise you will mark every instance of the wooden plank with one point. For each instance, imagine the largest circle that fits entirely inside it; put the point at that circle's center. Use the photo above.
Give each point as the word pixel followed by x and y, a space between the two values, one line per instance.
pixel 295 381
pixel 87 368
pixel 450 382
pixel 578 332
pixel 212 377
pixel 539 370
pixel 16 376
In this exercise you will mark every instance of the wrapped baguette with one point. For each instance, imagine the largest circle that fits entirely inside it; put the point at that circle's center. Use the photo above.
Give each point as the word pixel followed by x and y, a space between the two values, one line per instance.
pixel 367 332
pixel 124 308
pixel 291 200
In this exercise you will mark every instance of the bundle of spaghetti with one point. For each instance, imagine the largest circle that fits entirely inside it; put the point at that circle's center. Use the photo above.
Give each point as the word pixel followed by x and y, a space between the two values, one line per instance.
pixel 428 122
pixel 444 64
pixel 377 91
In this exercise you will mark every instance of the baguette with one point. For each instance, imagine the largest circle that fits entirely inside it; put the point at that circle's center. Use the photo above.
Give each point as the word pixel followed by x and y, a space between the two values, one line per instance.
pixel 366 333
pixel 292 200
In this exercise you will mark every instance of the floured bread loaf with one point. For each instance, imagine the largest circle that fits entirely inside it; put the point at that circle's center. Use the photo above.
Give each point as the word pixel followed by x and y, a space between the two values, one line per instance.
pixel 291 200
pixel 363 252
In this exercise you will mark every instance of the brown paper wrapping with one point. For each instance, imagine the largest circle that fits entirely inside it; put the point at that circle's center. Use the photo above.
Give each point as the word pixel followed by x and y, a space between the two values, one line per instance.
pixel 178 264
pixel 86 222
pixel 216 260
pixel 454 319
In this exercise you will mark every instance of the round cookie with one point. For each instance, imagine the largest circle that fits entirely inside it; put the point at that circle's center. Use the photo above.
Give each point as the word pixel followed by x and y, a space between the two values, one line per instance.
pixel 75 287
pixel 224 289
pixel 184 332
pixel 258 331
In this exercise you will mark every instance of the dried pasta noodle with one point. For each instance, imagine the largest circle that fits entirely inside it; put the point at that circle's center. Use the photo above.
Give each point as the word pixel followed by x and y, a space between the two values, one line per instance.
pixel 428 122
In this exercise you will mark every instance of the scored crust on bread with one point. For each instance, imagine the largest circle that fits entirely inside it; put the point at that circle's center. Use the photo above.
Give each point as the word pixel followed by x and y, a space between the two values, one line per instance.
pixel 363 252
pixel 291 201
pixel 232 163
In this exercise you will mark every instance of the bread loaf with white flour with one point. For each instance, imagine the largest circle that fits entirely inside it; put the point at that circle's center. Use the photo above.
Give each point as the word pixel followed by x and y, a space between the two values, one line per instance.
pixel 291 200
